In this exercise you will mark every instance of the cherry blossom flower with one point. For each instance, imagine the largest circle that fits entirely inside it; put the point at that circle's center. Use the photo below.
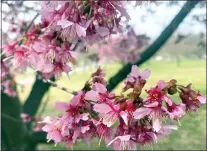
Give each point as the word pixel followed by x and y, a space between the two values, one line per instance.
pixel 136 79
pixel 123 143
pixel 176 111
pixel 190 98
pixel 108 112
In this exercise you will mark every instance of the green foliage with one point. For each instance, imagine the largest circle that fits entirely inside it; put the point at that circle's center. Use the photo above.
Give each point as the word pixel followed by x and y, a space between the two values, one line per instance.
pixel 14 131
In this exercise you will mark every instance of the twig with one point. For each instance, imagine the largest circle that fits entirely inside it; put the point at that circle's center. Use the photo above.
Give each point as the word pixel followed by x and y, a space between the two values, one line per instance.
pixel 9 117
pixel 60 87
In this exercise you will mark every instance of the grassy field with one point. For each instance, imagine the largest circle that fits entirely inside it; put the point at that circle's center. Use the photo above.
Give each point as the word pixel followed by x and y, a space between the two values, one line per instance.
pixel 190 136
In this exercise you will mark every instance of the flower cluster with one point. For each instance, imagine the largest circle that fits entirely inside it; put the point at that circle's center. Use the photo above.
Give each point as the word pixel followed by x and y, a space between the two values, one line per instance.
pixel 7 80
pixel 49 47
pixel 121 121
pixel 126 48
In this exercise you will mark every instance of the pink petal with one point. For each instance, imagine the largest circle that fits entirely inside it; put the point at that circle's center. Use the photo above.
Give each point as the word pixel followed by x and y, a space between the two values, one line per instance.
pixel 76 134
pixel 74 101
pixel 62 106
pixel 84 128
pixel 74 54
pixel 135 71
pixel 100 88
pixel 39 47
pixel 154 104
pixel 66 68
pixel 123 114
pixel 141 112
pixel 103 31
pixel 56 136
pixel 161 84
pixel 78 118
pixel 64 23
pixel 166 130
pixel 173 127
pixel 92 95
pixel 124 138
pixel 156 124
pixel 102 108
pixel 112 141
pixel 81 31
pixel 145 74
pixel 130 79
pixel 84 116
pixel 168 100
pixel 153 136
pixel 47 128
pixel 202 99
pixel 48 68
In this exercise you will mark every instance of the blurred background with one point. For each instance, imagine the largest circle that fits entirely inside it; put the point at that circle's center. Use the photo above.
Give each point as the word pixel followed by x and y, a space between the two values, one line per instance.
pixel 182 57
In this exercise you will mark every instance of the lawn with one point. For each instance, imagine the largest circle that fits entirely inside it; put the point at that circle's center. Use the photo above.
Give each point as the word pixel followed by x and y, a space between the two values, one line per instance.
pixel 190 136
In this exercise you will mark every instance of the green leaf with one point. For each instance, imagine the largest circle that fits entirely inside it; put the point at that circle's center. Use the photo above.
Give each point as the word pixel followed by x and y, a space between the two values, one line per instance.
pixel 13 130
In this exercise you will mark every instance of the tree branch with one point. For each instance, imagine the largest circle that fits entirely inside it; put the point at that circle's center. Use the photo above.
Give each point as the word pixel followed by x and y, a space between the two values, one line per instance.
pixel 32 103
pixel 158 43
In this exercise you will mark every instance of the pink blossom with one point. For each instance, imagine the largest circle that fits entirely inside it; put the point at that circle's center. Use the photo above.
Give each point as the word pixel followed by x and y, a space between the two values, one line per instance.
pixel 147 138
pixel 136 79
pixel 98 94
pixel 26 118
pixel 9 48
pixel 176 111
pixel 154 111
pixel 166 130
pixel 123 143
pixel 157 94
pixel 53 129
pixel 104 132
pixel 108 112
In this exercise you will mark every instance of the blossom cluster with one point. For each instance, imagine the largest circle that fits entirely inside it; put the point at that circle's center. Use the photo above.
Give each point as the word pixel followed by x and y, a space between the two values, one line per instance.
pixel 126 48
pixel 7 80
pixel 121 121
pixel 49 47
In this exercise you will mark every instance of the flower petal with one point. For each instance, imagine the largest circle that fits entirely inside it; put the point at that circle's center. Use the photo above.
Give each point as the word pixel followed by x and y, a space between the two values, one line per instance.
pixel 100 88
pixel 156 124
pixel 123 114
pixel 103 31
pixel 161 84
pixel 145 74
pixel 153 136
pixel 141 112
pixel 92 95
pixel 202 99
pixel 62 106
pixel 81 31
pixel 135 71
pixel 84 128
pixel 102 108
pixel 64 23
pixel 153 104
pixel 168 100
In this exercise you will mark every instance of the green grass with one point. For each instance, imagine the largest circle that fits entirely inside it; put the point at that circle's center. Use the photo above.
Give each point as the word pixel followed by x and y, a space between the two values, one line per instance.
pixel 192 133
